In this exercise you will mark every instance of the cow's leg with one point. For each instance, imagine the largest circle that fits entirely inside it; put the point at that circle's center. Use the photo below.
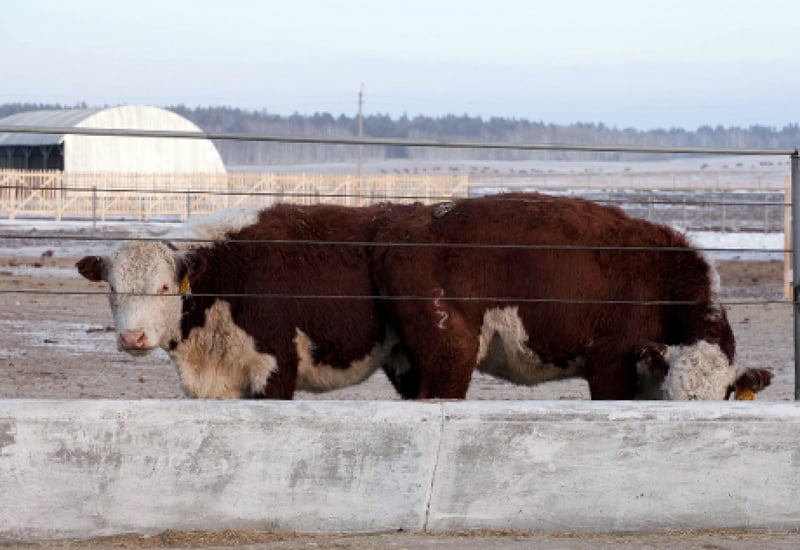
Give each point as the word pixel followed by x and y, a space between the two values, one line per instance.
pixel 406 383
pixel 441 349
pixel 401 373
pixel 445 368
pixel 282 383
pixel 611 370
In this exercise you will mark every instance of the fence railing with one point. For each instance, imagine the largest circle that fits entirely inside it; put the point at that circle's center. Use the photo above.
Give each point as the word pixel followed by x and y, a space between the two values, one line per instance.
pixel 59 195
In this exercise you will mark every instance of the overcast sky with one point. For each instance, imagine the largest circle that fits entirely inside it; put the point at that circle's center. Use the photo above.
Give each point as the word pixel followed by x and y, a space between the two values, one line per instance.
pixel 681 63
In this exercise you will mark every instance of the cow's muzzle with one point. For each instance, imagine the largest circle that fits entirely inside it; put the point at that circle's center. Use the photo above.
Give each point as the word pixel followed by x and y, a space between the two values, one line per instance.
pixel 134 342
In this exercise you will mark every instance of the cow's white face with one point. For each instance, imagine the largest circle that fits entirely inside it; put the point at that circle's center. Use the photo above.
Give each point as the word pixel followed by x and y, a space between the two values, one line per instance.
pixel 700 371
pixel 696 372
pixel 144 294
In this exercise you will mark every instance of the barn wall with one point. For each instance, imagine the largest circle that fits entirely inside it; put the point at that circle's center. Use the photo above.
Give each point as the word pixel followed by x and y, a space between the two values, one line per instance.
pixel 142 155
pixel 80 469
pixel 102 154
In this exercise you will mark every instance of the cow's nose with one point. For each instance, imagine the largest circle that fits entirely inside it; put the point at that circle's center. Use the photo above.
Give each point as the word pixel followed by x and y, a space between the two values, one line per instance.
pixel 132 339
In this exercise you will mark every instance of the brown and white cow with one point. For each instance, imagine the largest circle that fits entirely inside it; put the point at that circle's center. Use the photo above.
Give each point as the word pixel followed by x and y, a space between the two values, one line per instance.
pixel 532 288
pixel 242 315
pixel 258 304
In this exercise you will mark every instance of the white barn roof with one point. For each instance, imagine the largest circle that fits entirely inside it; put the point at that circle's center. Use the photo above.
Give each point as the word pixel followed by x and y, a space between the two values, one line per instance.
pixel 114 153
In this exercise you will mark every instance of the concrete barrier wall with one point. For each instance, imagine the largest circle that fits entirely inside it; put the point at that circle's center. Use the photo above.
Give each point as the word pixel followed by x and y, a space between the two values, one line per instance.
pixel 614 467
pixel 80 469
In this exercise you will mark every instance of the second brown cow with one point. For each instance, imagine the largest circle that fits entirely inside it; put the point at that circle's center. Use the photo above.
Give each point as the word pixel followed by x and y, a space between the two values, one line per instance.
pixel 532 288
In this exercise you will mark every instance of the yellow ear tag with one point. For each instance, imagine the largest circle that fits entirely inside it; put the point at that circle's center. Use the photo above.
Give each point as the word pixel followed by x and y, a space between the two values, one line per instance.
pixel 185 288
pixel 745 395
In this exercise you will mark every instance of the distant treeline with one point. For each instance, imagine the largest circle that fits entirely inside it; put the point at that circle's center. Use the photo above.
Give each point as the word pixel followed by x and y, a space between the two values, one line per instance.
pixel 447 128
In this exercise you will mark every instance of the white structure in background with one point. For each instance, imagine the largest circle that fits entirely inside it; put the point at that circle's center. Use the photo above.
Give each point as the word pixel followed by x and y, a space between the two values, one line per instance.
pixel 107 154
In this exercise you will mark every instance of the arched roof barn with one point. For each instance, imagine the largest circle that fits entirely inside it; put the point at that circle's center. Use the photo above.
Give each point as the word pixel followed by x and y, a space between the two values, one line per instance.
pixel 95 154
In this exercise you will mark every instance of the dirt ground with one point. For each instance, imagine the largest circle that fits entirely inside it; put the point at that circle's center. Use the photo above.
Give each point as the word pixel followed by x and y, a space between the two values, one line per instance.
pixel 478 540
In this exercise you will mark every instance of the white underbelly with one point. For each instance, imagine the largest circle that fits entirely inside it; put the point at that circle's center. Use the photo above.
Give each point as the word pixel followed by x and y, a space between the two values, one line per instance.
pixel 503 351
pixel 319 377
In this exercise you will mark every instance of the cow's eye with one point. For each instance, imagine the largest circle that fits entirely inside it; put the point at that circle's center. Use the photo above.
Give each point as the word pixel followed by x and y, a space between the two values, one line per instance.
pixel 164 289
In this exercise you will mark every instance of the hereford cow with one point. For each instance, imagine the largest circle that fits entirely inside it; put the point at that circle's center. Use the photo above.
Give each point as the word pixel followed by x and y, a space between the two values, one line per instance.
pixel 532 288
pixel 528 288
pixel 237 311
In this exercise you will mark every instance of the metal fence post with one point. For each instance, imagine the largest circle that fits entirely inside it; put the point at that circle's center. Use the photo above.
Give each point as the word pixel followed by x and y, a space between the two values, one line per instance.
pixel 685 227
pixel 724 213
pixel 94 207
pixel 795 183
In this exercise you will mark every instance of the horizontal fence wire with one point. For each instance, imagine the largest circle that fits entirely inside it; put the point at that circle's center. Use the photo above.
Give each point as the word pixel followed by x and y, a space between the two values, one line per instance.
pixel 731 198
pixel 409 298
pixel 389 244
pixel 442 144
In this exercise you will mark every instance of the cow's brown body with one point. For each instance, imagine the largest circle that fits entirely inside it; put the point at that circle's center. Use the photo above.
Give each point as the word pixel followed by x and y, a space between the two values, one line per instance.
pixel 583 281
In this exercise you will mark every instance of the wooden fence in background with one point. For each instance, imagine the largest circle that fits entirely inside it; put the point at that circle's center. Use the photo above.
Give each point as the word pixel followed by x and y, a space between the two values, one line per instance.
pixel 59 195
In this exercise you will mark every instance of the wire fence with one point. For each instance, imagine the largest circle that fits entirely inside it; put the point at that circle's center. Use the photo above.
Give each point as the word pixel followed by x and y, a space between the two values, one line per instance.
pixel 142 197
pixel 109 241
pixel 146 197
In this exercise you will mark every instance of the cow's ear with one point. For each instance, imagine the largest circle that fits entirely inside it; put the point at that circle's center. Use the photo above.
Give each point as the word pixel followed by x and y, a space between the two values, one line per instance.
pixel 192 266
pixel 750 383
pixel 94 268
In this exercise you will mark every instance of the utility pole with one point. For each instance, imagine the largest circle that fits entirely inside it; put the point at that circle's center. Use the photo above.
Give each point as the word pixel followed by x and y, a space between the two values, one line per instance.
pixel 360 127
